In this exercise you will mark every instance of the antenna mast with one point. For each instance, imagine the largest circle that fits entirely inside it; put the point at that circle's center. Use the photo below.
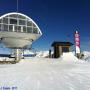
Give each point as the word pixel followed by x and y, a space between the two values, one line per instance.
pixel 17 5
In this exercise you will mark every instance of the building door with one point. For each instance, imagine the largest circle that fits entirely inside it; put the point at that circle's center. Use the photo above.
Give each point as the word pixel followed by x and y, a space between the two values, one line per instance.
pixel 65 49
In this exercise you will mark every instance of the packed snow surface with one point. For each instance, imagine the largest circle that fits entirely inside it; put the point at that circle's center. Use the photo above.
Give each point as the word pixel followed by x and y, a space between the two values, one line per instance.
pixel 65 73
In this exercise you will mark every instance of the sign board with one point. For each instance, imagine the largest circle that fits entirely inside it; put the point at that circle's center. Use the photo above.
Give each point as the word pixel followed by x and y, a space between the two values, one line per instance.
pixel 77 41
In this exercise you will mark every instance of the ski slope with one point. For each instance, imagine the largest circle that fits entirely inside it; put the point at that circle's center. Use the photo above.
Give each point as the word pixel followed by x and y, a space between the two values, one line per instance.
pixel 65 73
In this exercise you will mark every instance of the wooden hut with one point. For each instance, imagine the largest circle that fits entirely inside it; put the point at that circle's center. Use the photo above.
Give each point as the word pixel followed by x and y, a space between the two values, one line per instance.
pixel 60 47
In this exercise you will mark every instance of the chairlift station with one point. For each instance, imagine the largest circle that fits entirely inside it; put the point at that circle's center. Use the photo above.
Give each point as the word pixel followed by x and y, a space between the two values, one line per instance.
pixel 17 31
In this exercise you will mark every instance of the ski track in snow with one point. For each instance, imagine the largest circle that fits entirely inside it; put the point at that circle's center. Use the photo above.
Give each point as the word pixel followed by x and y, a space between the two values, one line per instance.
pixel 46 74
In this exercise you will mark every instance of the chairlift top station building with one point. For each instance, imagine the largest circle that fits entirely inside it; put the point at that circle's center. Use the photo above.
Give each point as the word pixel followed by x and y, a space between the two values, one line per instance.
pixel 18 30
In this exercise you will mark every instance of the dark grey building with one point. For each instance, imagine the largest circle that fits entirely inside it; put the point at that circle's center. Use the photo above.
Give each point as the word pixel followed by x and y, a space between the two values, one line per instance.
pixel 60 47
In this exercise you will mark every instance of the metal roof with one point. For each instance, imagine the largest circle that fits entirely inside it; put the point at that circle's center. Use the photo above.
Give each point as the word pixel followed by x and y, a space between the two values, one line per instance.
pixel 60 43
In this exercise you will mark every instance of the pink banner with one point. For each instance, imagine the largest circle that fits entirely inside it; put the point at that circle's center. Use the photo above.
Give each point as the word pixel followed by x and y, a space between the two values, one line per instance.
pixel 77 42
pixel 77 39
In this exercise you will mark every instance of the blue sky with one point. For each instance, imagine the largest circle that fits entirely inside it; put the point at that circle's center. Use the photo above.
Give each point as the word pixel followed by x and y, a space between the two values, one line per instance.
pixel 57 19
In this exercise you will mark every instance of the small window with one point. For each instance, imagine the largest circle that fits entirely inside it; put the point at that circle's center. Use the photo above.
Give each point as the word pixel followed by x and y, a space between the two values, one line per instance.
pixel 5 20
pixel 5 27
pixel 22 22
pixel 19 28
pixel 35 30
pixel 21 17
pixel 34 25
pixel 0 20
pixel 29 29
pixel 14 15
pixel 11 28
pixel 0 27
pixel 65 49
pixel 15 28
pixel 13 21
pixel 24 29
pixel 29 23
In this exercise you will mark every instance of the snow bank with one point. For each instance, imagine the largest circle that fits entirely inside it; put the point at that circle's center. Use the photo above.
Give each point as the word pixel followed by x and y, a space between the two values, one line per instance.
pixel 69 56
pixel 42 54
pixel 86 56
pixel 26 52
pixel 37 54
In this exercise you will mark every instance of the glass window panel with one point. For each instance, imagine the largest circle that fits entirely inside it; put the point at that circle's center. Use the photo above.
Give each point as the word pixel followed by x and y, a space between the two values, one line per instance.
pixel 0 20
pixel 13 21
pixel 5 27
pixel 6 16
pixel 19 28
pixel 24 29
pixel 15 28
pixel 21 17
pixel 5 20
pixel 22 22
pixel 34 25
pixel 65 49
pixel 14 15
pixel 11 28
pixel 29 23
pixel 29 29
pixel 35 30
pixel 0 27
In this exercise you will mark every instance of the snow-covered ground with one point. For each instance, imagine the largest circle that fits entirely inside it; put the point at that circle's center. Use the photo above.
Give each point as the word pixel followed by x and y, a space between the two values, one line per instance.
pixel 65 73
pixel 86 56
